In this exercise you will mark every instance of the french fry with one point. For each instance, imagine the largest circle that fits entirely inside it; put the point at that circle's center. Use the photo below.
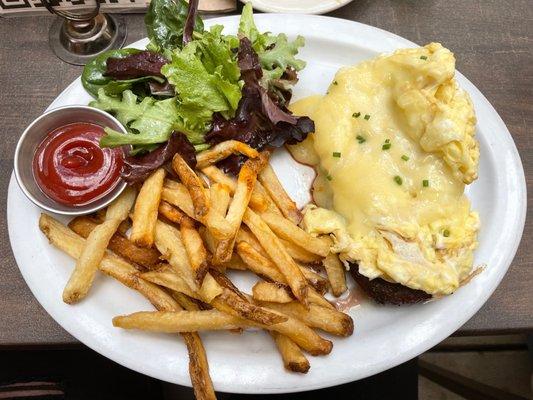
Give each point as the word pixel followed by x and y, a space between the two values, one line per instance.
pixel 87 264
pixel 224 150
pixel 273 186
pixel 327 319
pixel 235 263
pixel 68 241
pixel 300 254
pixel 170 280
pixel 279 255
pixel 169 242
pixel 145 210
pixel 291 232
pixel 317 281
pixel 257 202
pixel 146 258
pixel 270 205
pixel 244 235
pixel 293 358
pixel 241 198
pixel 177 321
pixel 219 196
pixel 258 264
pixel 336 274
pixel 178 196
pixel 195 249
pixel 170 212
pixel 186 302
pixel 183 321
pixel 272 292
pixel 194 185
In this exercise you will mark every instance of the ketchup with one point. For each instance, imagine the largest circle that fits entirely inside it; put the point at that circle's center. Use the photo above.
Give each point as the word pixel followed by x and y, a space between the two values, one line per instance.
pixel 71 168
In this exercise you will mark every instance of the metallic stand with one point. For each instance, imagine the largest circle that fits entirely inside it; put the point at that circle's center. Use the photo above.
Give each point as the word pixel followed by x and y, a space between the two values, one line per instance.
pixel 77 37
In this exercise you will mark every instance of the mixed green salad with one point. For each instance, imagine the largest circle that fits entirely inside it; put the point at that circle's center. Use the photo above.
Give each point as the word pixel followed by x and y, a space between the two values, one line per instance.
pixel 203 84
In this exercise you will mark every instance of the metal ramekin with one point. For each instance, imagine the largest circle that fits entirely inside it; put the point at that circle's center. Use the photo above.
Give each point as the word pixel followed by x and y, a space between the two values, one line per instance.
pixel 34 135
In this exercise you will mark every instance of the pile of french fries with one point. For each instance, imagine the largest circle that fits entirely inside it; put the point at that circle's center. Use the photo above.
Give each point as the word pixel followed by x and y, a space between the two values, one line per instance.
pixel 173 240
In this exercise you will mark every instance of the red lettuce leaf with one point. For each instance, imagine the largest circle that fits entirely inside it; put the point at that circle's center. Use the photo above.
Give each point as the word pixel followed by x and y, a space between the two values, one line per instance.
pixel 190 21
pixel 138 168
pixel 145 63
pixel 260 121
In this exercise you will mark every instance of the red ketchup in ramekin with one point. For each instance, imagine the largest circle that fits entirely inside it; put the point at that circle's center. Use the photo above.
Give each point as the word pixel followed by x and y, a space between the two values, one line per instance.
pixel 71 168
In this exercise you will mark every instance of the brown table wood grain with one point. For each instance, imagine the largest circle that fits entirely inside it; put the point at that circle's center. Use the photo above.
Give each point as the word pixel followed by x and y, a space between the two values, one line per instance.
pixel 493 42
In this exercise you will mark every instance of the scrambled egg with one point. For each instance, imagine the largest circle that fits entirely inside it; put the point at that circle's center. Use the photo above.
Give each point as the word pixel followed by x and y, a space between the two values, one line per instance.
pixel 394 147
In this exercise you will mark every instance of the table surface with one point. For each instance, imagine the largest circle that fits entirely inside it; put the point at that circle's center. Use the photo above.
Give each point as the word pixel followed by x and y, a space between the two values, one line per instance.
pixel 492 40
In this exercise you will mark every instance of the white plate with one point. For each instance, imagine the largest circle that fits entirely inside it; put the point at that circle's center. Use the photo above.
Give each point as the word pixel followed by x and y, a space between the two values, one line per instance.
pixel 249 363
pixel 297 6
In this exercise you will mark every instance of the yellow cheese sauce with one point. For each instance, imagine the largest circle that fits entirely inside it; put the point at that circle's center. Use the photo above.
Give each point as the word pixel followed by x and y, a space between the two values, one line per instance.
pixel 394 146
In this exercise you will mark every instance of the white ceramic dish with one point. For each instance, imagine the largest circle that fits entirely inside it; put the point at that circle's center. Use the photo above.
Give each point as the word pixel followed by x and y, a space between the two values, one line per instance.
pixel 297 6
pixel 248 363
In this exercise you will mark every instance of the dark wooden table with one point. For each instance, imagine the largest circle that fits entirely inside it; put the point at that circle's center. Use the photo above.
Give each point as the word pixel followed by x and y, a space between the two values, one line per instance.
pixel 493 42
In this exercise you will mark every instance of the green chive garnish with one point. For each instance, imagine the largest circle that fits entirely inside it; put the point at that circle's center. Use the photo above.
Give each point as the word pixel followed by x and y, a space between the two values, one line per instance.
pixel 423 58
pixel 405 158
pixel 356 115
pixel 329 177
pixel 360 139
pixel 425 183
pixel 335 83
pixel 398 180
pixel 386 146
pixel 337 154
pixel 446 233
pixel 367 117
pixel 387 140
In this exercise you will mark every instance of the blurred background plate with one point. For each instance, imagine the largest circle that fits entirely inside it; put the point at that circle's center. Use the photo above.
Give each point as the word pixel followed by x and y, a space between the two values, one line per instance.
pixel 297 6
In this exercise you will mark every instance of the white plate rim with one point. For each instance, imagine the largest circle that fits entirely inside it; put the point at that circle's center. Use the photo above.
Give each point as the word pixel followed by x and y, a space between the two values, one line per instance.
pixel 517 215
pixel 320 6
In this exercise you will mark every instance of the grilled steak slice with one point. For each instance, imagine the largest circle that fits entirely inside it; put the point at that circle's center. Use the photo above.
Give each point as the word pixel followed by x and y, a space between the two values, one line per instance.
pixel 385 292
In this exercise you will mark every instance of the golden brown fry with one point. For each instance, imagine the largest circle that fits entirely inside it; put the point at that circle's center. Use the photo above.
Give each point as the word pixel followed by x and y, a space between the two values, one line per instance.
pixel 257 202
pixel 66 240
pixel 244 235
pixel 241 198
pixel 194 185
pixel 145 210
pixel 182 321
pixel 170 280
pixel 219 195
pixel 178 196
pixel 169 242
pixel 147 258
pixel 186 302
pixel 287 230
pixel 272 292
pixel 170 212
pixel 336 274
pixel 317 281
pixel 261 191
pixel 236 263
pixel 82 277
pixel 279 255
pixel 327 319
pixel 300 254
pixel 293 358
pixel 177 321
pixel 273 186
pixel 224 150
pixel 195 249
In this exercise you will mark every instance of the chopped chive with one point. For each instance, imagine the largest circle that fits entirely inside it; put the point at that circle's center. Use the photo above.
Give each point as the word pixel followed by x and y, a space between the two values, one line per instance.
pixel 356 115
pixel 360 139
pixel 335 83
pixel 329 177
pixel 367 117
pixel 446 233
pixel 423 57
pixel 337 154
pixel 398 180
pixel 386 146
pixel 405 158
pixel 387 140
pixel 425 183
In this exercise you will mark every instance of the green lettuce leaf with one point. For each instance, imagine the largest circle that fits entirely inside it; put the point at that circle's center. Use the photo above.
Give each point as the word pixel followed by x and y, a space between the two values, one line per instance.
pixel 148 122
pixel 205 76
pixel 165 20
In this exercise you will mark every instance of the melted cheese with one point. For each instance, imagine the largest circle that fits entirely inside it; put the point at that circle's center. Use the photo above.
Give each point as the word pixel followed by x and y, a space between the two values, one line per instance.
pixel 392 225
